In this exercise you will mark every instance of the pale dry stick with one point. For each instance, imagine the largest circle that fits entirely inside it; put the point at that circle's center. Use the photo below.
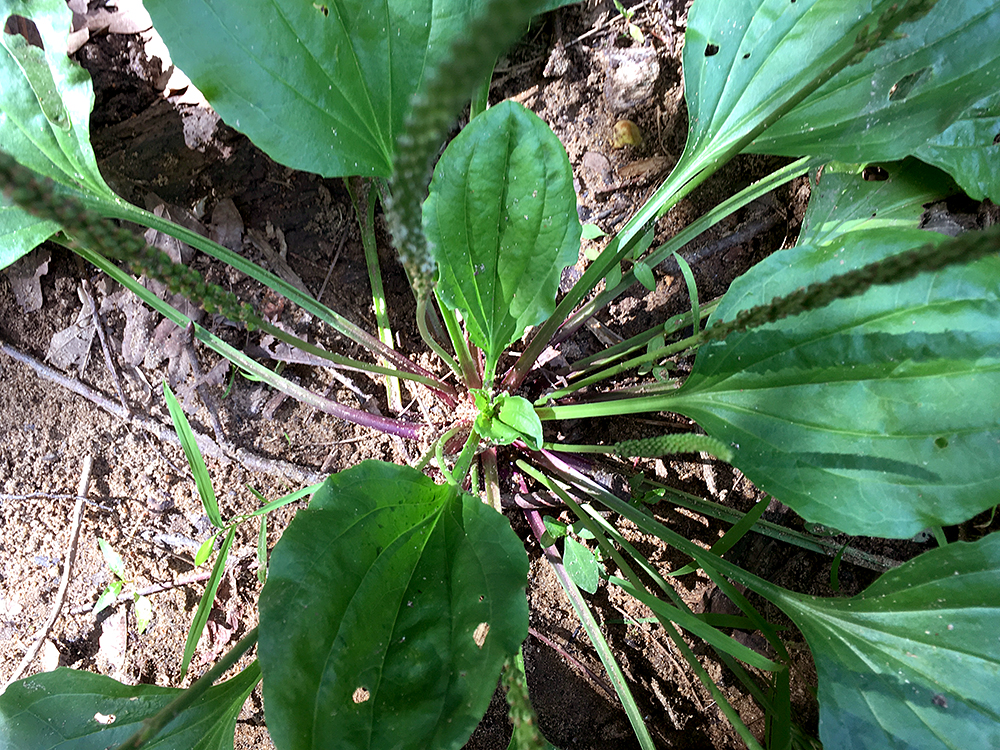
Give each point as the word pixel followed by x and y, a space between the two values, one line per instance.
pixel 74 537
pixel 156 588
pixel 248 459
pixel 53 496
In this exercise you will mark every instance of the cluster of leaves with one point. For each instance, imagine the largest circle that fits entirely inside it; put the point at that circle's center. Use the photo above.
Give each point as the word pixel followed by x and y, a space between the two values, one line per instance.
pixel 392 602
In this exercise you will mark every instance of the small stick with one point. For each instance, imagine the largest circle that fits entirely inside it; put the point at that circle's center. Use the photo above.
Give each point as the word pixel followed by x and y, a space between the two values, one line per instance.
pixel 209 447
pixel 108 358
pixel 74 537
pixel 157 588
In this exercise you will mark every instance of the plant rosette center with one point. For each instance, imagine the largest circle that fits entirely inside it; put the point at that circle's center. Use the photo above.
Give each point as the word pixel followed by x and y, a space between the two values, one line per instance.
pixel 503 418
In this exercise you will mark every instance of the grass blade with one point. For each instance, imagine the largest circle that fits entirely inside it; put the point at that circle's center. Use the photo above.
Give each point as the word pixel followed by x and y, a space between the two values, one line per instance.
pixel 194 458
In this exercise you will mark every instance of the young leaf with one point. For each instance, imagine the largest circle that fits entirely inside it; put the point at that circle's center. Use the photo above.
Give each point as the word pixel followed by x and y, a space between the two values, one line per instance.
pixel 644 275
pixel 205 551
pixel 412 594
pixel 581 565
pixel 517 412
pixel 502 223
pixel 913 660
pixel 195 460
pixel 112 559
pixel 108 597
pixel 45 103
pixel 70 708
pixel 143 613
pixel 207 600
pixel 866 415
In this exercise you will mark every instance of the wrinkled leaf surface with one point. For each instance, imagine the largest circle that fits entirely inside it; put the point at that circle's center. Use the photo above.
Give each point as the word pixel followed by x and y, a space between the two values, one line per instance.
pixel 390 606
pixel 872 415
pixel 70 709
pixel 502 223
pixel 913 661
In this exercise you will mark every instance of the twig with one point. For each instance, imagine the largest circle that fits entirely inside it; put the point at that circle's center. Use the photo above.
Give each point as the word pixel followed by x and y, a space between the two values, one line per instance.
pixel 108 358
pixel 209 447
pixel 53 496
pixel 74 537
pixel 157 588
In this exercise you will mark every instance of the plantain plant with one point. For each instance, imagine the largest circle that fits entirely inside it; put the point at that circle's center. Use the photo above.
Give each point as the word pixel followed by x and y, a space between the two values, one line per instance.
pixel 851 377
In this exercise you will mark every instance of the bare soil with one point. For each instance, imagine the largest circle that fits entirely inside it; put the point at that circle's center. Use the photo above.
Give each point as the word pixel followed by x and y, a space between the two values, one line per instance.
pixel 155 150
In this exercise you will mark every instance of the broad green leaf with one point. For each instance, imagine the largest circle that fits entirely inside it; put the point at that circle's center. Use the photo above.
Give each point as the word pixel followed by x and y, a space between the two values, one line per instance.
pixel 901 94
pixel 389 608
pixel 970 149
pixel 502 223
pixel 194 458
pixel 45 103
pixel 322 87
pixel 581 565
pixel 913 661
pixel 69 709
pixel 842 200
pixel 873 415
pixel 743 61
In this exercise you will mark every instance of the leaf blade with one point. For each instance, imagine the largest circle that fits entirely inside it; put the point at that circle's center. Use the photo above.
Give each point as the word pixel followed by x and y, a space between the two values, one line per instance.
pixel 502 224
pixel 387 561
pixel 912 661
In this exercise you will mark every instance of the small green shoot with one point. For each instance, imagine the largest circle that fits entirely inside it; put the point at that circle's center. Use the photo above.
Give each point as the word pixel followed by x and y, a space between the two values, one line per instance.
pixel 143 606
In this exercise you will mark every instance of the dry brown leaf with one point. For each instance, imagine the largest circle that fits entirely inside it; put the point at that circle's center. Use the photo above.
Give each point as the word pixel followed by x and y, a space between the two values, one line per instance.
pixel 25 278
pixel 71 346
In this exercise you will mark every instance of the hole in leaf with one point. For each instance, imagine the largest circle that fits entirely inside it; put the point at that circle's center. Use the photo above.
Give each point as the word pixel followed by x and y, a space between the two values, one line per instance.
pixel 322 9
pixel 874 173
pixel 482 630
pixel 996 139
pixel 711 49
pixel 104 718
pixel 360 695
pixel 902 88
pixel 941 442
pixel 746 56
pixel 19 25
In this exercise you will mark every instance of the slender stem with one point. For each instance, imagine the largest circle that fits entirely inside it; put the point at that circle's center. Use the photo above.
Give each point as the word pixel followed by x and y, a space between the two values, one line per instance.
pixel 660 353
pixel 465 458
pixel 629 345
pixel 339 323
pixel 690 232
pixel 594 631
pixel 365 212
pixel 152 726
pixel 491 478
pixel 422 309
pixel 460 343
